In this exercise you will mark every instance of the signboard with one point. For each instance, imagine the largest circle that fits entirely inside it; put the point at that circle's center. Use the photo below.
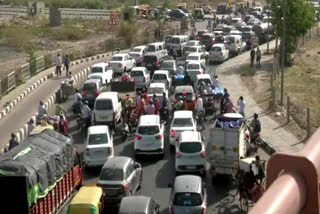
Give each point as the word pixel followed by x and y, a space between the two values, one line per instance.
pixel 114 19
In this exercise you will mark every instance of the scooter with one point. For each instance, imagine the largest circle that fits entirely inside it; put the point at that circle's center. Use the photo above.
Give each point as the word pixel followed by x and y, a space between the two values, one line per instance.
pixel 164 114
pixel 124 132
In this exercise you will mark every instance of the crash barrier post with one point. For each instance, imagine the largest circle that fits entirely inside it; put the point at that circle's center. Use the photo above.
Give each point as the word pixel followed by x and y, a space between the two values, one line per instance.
pixel 288 109
pixel 308 123
pixel 293 182
pixel 11 81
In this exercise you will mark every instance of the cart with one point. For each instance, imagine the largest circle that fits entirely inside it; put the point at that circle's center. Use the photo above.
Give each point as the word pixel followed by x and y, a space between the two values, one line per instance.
pixel 67 89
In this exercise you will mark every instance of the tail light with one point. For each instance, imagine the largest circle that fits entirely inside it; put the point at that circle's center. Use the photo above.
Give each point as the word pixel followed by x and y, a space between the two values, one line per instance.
pixel 179 155
pixel 173 134
pixel 251 40
pixel 110 150
pixel 140 55
pixel 144 63
pixel 213 42
pixel 83 93
pixel 203 154
pixel 98 92
pixel 138 137
pixel 159 137
pixel 204 210
pixel 87 151
pixel 158 63
pixel 125 187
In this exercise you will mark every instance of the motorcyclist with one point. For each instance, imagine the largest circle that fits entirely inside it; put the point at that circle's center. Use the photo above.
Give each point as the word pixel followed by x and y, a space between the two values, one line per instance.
pixel 129 103
pixel 41 111
pixel 151 108
pixel 180 69
pixel 77 98
pixel 86 114
pixel 255 127
pixel 179 105
pixel 164 100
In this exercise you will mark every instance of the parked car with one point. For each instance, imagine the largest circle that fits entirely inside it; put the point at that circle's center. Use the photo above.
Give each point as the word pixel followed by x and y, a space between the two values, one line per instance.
pixel 169 65
pixel 190 153
pixel 122 63
pixel 218 53
pixel 142 77
pixel 202 58
pixel 137 53
pixel 138 205
pixel 91 90
pixel 98 146
pixel 101 71
pixel 120 176
pixel 194 68
pixel 162 76
pixel 188 195
pixel 149 136
pixel 181 121
pixel 177 14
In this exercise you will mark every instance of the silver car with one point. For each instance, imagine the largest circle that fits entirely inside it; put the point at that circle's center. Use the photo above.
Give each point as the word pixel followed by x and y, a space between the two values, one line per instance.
pixel 119 177
pixel 188 195
pixel 138 204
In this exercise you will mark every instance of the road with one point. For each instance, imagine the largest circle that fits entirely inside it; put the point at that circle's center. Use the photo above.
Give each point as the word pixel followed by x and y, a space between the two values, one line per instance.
pixel 159 172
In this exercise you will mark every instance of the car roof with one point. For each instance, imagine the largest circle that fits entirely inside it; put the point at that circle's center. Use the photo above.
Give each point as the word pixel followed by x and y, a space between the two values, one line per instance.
pixel 182 114
pixel 160 72
pixel 108 94
pixel 194 54
pixel 101 64
pixel 118 162
pixel 190 136
pixel 157 85
pixel 141 46
pixel 169 60
pixel 187 183
pixel 134 204
pixel 194 62
pixel 147 120
pixel 138 68
pixel 183 88
pixel 193 41
pixel 98 130
pixel 91 81
pixel 156 43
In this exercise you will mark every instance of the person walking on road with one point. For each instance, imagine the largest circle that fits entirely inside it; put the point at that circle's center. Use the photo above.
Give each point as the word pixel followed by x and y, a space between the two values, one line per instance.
pixel 31 125
pixel 58 63
pixel 252 56
pixel 66 63
pixel 258 57
pixel 241 103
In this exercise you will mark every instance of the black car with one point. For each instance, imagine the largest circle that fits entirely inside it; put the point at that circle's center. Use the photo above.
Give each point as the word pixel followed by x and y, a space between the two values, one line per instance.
pixel 91 89
pixel 177 14
pixel 152 62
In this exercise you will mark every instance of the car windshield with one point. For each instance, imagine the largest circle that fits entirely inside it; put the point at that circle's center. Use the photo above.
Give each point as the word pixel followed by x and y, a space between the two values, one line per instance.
pixel 159 77
pixel 191 44
pixel 182 122
pixel 155 90
pixel 175 40
pixel 148 130
pixel 135 50
pixel 193 66
pixel 167 65
pixel 96 70
pixel 219 39
pixel 187 199
pixel 89 87
pixel 95 139
pixel 218 49
pixel 111 174
pixel 103 105
pixel 206 37
pixel 190 147
pixel 184 96
pixel 230 40
pixel 246 35
pixel 195 58
pixel 149 59
pixel 116 58
pixel 137 73
pixel 246 28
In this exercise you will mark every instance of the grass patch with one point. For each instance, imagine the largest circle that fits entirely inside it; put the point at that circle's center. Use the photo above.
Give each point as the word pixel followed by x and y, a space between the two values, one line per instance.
pixel 247 72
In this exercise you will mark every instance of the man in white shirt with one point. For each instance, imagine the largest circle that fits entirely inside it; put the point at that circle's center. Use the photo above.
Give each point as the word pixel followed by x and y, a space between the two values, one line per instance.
pixel 41 111
pixel 242 105
pixel 216 81
pixel 86 114
pixel 199 105
pixel 58 63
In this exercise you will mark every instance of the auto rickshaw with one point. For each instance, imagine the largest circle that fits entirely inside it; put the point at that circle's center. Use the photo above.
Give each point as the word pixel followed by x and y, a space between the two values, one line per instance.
pixel 89 200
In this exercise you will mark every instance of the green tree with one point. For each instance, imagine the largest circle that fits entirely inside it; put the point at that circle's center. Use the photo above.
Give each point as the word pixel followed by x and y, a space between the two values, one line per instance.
pixel 299 18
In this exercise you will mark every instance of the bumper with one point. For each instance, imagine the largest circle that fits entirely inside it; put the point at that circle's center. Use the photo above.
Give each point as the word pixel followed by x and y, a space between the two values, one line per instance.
pixel 149 152
pixel 216 58
pixel 94 163
pixel 118 70
pixel 113 201
pixel 190 168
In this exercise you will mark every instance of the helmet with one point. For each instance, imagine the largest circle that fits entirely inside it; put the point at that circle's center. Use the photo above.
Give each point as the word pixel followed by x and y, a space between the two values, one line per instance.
pixel 86 102
pixel 255 116
pixel 41 102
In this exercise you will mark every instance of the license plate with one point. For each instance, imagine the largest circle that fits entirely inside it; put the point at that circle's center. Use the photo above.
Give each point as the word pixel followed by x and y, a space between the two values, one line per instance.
pixel 104 117
pixel 149 64
pixel 190 167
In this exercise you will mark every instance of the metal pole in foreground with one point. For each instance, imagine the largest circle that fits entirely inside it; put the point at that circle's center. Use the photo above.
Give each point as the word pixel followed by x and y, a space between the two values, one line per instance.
pixel 283 45
pixel 268 38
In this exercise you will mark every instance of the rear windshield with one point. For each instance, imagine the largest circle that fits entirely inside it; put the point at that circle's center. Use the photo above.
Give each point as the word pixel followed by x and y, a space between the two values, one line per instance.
pixel 149 59
pixel 123 87
pixel 193 66
pixel 175 40
pixel 89 87
pixel 246 28
pixel 95 77
pixel 193 58
pixel 182 122
pixel 155 90
pixel 184 96
pixel 206 37
pixel 190 147
pixel 116 58
pixel 111 174
pixel 148 130
pixel 192 49
pixel 96 70
pixel 219 39
pixel 135 50
pixel 215 49
pixel 167 65
pixel 191 44
pixel 136 73
pixel 103 105
pixel 246 35
pixel 230 40
pixel 95 139
pixel 187 199
pixel 235 21
pixel 159 77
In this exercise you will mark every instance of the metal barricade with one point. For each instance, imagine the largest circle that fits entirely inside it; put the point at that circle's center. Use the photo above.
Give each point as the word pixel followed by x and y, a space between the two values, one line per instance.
pixel 39 64
pixel 11 81
pixel 25 71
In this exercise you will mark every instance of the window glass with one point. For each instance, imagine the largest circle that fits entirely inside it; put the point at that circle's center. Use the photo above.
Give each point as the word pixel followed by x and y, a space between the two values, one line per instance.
pixel 111 174
pixel 103 105
pixel 187 199
pixel 135 50
pixel 190 147
pixel 96 70
pixel 182 122
pixel 148 130
pixel 193 66
pixel 154 90
pixel 218 49
pixel 116 58
pixel 137 73
pixel 89 87
pixel 96 139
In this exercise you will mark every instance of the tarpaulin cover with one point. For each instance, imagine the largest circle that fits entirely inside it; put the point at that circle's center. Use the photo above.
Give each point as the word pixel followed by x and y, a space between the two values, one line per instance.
pixel 42 158
pixel 218 91
pixel 220 123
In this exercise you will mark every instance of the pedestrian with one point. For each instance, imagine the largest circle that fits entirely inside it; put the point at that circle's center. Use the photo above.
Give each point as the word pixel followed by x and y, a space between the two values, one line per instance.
pixel 223 101
pixel 216 81
pixel 252 56
pixel 31 125
pixel 66 63
pixel 258 57
pixel 242 104
pixel 63 125
pixel 229 106
pixel 12 142
pixel 58 65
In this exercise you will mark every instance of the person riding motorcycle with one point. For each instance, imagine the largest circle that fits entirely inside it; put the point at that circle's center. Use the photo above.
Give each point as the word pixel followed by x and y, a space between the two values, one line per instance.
pixel 41 112
pixel 255 127
pixel 180 69
pixel 129 103
pixel 151 108
pixel 179 105
pixel 77 98
pixel 86 114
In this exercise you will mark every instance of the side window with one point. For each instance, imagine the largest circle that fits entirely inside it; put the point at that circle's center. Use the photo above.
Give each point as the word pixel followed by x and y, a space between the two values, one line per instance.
pixel 106 68
pixel 130 169
pixel 160 47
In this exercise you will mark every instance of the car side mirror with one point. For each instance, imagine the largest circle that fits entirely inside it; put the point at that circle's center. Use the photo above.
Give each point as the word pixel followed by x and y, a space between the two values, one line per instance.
pixel 170 185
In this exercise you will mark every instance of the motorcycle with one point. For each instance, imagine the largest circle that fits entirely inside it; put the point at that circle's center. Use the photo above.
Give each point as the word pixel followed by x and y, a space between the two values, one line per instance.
pixel 253 138
pixel 124 132
pixel 164 114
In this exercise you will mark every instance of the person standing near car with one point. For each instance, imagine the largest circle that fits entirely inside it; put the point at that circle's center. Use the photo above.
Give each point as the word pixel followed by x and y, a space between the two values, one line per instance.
pixel 86 114
pixel 66 63
pixel 241 103
pixel 252 56
pixel 258 57
pixel 58 63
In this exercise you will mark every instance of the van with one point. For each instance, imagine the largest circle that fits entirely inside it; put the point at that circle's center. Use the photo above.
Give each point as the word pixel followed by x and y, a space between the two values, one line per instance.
pixel 234 44
pixel 107 109
pixel 157 48
pixel 178 42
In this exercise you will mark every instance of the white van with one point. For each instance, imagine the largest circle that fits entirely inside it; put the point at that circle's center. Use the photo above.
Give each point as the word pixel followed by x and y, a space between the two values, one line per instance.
pixel 178 42
pixel 158 49
pixel 107 109
pixel 234 44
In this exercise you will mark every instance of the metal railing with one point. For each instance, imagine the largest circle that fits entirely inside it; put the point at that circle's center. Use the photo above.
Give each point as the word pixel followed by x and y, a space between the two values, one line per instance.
pixel 293 182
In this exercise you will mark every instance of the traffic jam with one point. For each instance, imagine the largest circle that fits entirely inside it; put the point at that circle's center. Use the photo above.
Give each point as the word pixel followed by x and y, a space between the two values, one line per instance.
pixel 163 99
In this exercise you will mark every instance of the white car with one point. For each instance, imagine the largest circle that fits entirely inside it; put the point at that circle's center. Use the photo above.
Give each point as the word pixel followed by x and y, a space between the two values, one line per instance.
pixel 196 57
pixel 162 76
pixel 142 77
pixel 122 63
pixel 98 146
pixel 218 53
pixel 182 121
pixel 190 153
pixel 196 49
pixel 101 71
pixel 194 68
pixel 149 136
pixel 137 53
pixel 157 89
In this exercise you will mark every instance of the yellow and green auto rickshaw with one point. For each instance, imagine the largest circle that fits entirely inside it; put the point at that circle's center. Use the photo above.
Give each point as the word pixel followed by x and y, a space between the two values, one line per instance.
pixel 89 200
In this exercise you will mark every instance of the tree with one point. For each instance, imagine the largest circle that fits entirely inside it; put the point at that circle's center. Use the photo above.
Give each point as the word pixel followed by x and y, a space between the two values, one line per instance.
pixel 299 18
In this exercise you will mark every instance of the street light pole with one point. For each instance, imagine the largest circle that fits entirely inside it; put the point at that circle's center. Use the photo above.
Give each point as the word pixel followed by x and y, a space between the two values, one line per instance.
pixel 283 44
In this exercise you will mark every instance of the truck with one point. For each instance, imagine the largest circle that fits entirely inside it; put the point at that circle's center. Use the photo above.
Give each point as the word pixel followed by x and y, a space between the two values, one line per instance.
pixel 40 174
pixel 228 144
